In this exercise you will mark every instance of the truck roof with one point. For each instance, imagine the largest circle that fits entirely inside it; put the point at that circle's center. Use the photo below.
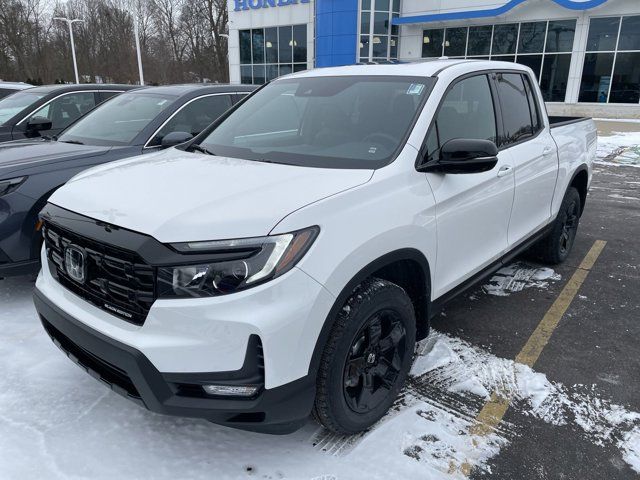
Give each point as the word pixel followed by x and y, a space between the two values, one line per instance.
pixel 426 68
pixel 15 85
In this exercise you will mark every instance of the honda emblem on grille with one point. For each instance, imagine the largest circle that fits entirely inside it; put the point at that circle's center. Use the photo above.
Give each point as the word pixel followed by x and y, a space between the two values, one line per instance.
pixel 75 263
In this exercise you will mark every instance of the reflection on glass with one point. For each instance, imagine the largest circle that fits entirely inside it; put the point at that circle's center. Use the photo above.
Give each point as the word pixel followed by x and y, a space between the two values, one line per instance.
pixel 534 62
pixel 630 33
pixel 245 46
pixel 532 37
pixel 596 77
pixel 271 44
pixel 479 40
pixel 555 76
pixel 299 43
pixel 560 36
pixel 432 42
pixel 284 46
pixel 505 38
pixel 455 43
pixel 603 33
pixel 625 86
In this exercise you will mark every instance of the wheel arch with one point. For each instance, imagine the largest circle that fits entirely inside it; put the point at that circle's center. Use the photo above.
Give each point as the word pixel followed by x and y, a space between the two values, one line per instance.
pixel 580 181
pixel 409 269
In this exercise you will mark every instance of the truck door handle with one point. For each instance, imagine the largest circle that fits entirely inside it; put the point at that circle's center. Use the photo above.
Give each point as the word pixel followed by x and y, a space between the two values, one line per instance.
pixel 547 151
pixel 504 170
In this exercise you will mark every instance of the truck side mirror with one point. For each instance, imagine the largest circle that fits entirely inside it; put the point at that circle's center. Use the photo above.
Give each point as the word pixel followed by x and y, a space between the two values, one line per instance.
pixel 463 155
pixel 39 124
pixel 175 138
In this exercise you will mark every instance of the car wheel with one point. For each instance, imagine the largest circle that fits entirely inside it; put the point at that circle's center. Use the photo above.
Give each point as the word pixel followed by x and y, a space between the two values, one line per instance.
pixel 557 245
pixel 367 357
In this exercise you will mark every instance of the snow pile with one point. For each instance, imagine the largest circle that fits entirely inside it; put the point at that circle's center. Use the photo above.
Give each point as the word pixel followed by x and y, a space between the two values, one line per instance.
pixel 461 367
pixel 518 276
pixel 621 148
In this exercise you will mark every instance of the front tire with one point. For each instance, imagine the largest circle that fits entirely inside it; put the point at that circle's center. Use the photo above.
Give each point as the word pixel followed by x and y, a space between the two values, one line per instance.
pixel 367 357
pixel 557 245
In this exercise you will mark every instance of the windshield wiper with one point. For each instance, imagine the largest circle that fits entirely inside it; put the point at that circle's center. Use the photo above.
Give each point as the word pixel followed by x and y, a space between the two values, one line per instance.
pixel 74 142
pixel 201 149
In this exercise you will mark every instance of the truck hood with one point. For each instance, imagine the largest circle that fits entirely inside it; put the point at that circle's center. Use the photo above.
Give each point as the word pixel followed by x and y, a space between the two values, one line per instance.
pixel 28 153
pixel 177 196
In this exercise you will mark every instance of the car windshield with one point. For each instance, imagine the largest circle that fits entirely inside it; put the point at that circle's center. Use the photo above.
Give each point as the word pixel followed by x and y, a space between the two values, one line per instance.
pixel 335 122
pixel 13 104
pixel 119 120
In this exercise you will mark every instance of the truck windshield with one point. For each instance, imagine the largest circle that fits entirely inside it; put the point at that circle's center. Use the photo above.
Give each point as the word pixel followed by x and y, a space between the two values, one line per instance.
pixel 13 104
pixel 117 121
pixel 334 122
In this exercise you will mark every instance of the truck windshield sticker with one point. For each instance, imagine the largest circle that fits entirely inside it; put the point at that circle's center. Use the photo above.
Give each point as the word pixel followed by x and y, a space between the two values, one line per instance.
pixel 415 89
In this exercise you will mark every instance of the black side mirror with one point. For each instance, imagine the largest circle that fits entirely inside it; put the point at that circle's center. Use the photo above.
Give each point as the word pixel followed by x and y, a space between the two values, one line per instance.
pixel 463 155
pixel 39 124
pixel 175 138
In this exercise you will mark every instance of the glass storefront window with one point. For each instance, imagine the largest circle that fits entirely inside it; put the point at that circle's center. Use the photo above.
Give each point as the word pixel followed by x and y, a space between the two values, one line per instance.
pixel 378 37
pixel 560 36
pixel 534 62
pixel 611 70
pixel 625 84
pixel 532 37
pixel 266 53
pixel 479 40
pixel 630 33
pixel 596 77
pixel 603 33
pixel 505 38
pixel 455 43
pixel 538 45
pixel 432 41
pixel 554 77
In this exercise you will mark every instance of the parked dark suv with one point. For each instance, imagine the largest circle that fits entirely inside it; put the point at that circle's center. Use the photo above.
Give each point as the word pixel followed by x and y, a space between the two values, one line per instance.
pixel 46 111
pixel 136 122
pixel 9 88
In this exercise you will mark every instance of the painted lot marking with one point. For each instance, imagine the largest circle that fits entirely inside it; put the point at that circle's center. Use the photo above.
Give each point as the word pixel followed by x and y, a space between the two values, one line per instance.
pixel 494 410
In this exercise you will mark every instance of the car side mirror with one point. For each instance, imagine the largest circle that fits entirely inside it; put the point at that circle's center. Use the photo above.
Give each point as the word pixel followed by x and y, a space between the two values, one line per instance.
pixel 39 124
pixel 175 138
pixel 464 155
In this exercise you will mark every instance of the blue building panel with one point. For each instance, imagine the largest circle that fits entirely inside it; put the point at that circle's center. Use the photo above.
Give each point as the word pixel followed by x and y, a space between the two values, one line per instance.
pixel 336 32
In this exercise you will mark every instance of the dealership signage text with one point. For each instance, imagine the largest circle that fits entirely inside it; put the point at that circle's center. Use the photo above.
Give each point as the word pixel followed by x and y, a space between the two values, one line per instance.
pixel 256 4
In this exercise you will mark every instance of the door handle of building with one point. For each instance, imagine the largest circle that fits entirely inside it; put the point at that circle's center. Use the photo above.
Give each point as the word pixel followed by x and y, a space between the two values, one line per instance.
pixel 504 170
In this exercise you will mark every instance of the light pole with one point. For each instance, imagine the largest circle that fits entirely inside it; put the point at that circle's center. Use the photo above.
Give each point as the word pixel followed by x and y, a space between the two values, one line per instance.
pixel 138 52
pixel 73 47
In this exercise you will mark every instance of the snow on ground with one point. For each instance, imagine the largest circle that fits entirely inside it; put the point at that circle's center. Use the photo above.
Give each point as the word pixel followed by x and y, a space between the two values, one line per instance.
pixel 58 423
pixel 620 148
pixel 518 276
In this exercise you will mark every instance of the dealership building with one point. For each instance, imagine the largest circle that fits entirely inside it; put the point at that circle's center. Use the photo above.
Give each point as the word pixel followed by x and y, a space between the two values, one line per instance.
pixel 585 53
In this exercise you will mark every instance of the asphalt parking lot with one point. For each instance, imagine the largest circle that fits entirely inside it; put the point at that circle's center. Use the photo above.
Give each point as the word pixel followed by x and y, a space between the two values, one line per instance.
pixel 595 344
pixel 569 414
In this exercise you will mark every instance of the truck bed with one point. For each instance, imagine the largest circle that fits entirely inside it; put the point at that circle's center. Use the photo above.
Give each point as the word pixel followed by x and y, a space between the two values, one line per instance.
pixel 559 121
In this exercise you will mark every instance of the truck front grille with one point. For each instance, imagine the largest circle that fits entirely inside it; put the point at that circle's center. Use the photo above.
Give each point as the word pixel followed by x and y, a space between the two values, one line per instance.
pixel 116 280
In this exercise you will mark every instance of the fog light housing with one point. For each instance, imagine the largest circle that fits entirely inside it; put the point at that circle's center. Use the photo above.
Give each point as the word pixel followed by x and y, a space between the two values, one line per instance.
pixel 231 390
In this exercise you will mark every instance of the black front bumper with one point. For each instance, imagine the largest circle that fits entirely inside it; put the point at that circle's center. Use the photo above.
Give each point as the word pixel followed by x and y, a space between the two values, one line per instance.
pixel 129 373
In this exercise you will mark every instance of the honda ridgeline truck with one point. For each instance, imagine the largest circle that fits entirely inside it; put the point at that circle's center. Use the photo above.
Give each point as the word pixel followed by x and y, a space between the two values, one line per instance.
pixel 286 260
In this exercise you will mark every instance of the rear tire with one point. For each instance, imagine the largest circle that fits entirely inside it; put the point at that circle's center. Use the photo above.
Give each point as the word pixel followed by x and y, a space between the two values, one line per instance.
pixel 367 357
pixel 557 245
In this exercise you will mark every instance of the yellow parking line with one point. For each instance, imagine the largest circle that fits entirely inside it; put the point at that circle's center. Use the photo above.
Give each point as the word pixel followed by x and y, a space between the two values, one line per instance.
pixel 494 410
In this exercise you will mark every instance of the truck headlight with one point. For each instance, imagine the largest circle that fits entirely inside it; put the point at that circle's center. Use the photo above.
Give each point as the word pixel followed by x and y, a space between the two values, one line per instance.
pixel 235 264
pixel 8 186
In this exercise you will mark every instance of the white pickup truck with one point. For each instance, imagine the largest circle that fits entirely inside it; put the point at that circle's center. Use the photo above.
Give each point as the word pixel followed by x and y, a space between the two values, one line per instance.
pixel 287 259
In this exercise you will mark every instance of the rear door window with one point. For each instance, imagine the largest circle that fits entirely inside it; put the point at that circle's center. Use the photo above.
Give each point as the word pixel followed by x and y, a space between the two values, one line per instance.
pixel 516 114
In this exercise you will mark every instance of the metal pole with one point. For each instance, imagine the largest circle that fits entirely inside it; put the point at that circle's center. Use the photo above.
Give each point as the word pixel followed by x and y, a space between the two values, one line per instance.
pixel 135 28
pixel 73 51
